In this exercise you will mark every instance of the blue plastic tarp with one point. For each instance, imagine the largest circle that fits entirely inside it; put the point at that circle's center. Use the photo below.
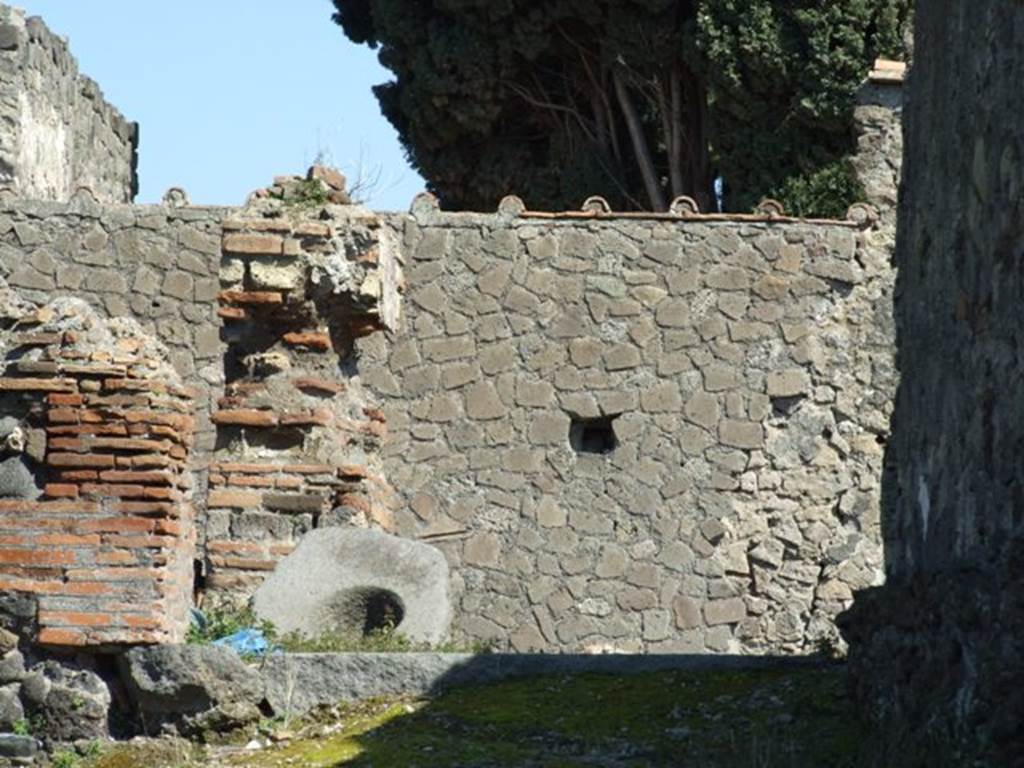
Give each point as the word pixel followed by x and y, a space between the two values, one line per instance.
pixel 246 642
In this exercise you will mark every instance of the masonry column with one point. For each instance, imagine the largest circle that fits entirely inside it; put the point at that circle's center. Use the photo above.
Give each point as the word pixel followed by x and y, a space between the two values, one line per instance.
pixel 96 523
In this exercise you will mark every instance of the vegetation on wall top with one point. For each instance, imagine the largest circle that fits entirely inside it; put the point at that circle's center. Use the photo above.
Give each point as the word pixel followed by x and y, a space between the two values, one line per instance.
pixel 636 100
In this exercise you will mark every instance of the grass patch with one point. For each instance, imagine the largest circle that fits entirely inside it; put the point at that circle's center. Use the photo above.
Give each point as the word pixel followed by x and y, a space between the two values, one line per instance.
pixel 746 719
pixel 225 620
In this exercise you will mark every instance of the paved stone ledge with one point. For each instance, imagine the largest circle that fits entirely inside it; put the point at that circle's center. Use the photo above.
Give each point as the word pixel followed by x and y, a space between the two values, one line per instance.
pixel 299 682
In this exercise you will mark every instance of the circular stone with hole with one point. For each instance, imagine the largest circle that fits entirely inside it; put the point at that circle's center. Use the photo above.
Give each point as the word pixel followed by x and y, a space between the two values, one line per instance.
pixel 356 581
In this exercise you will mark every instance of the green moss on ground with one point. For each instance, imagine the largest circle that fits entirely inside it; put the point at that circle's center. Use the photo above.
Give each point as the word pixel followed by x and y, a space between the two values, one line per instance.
pixel 748 719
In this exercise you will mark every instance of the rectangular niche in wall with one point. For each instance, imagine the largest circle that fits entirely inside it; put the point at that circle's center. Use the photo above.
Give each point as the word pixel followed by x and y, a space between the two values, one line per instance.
pixel 595 435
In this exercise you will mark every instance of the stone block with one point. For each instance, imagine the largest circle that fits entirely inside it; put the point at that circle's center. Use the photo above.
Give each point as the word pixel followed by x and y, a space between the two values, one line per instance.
pixel 11 710
pixel 612 562
pixel 789 383
pixel 655 624
pixel 494 281
pixel 20 749
pixel 69 704
pixel 533 393
pixel 445 350
pixel 12 667
pixel 345 579
pixel 275 274
pixel 702 409
pixel 17 481
pixel 673 313
pixel 661 398
pixel 253 243
pixel 621 357
pixel 687 612
pixel 191 688
pixel 550 514
pixel 482 550
pixel 747 435
pixel 731 610
pixel 483 402
pixel 718 377
pixel 549 428
pixel 178 284
pixel 727 278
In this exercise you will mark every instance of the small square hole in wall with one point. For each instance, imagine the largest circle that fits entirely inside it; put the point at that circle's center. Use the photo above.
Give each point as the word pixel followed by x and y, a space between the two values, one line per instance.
pixel 593 435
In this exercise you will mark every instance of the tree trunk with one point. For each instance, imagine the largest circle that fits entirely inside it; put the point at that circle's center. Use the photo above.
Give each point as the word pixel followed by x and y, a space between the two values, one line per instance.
pixel 693 122
pixel 674 135
pixel 640 147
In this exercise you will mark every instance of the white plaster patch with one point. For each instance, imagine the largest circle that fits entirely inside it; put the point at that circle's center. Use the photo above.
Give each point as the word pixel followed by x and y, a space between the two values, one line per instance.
pixel 924 504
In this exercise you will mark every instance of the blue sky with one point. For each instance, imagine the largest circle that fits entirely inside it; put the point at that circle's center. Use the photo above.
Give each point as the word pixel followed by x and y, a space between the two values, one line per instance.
pixel 230 93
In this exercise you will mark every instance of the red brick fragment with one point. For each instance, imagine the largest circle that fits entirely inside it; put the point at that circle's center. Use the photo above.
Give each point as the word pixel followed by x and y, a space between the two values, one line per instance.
pixel 112 490
pixel 51 636
pixel 63 416
pixel 61 490
pixel 236 499
pixel 316 418
pixel 246 243
pixel 245 418
pixel 118 476
pixel 67 540
pixel 175 420
pixel 250 468
pixel 242 563
pixel 250 297
pixel 58 398
pixel 117 524
pixel 130 444
pixel 88 429
pixel 257 225
pixel 309 469
pixel 8 384
pixel 145 508
pixel 79 460
pixel 232 313
pixel 315 340
pixel 134 385
pixel 136 621
pixel 317 386
pixel 38 338
pixel 254 481
pixel 75 619
pixel 35 557
pixel 117 557
pixel 238 547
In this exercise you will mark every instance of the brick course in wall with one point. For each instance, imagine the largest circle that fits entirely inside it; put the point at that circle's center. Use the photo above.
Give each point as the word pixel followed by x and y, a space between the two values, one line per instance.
pixel 299 441
pixel 107 550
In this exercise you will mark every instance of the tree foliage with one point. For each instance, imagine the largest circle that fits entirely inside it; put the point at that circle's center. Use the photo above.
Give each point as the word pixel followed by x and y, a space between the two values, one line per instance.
pixel 631 99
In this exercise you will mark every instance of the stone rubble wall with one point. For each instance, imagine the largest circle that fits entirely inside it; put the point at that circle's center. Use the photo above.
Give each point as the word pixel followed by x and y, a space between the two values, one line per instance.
pixel 936 652
pixel 641 433
pixel 746 363
pixel 57 133
pixel 443 377
pixel 878 121
pixel 747 369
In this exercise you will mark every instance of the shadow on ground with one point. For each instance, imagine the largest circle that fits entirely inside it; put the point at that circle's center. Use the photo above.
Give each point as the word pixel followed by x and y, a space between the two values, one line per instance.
pixel 779 713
